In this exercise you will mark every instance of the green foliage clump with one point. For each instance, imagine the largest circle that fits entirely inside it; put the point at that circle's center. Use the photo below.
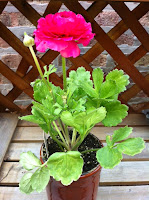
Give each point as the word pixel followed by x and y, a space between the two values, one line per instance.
pixel 82 105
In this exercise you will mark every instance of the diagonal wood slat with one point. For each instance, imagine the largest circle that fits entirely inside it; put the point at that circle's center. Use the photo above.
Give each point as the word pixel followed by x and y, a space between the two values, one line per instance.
pixel 104 42
pixel 13 41
pixel 114 34
pixel 15 79
pixel 2 6
pixel 130 20
pixel 6 103
pixel 111 47
pixel 23 67
pixel 133 91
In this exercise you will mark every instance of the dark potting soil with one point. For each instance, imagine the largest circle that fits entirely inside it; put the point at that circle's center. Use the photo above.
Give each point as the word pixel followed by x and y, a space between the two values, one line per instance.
pixel 90 142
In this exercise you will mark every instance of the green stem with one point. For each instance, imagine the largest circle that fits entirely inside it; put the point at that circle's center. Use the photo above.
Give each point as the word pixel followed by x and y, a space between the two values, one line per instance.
pixel 36 61
pixel 64 74
pixel 67 133
pixel 60 134
pixel 74 134
pixel 61 126
pixel 60 144
pixel 77 144
pixel 79 141
pixel 44 164
pixel 39 68
pixel 89 150
pixel 62 129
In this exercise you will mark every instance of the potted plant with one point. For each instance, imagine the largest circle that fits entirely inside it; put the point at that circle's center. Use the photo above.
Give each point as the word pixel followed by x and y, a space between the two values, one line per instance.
pixel 71 157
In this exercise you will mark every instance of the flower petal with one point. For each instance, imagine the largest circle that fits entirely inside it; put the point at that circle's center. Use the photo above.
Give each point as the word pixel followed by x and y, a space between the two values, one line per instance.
pixel 71 51
pixel 62 32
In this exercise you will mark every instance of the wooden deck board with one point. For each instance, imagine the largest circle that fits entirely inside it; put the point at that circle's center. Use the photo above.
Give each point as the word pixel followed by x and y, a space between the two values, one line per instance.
pixel 8 123
pixel 13 155
pixel 131 119
pixel 126 173
pixel 104 193
pixel 35 134
pixel 128 181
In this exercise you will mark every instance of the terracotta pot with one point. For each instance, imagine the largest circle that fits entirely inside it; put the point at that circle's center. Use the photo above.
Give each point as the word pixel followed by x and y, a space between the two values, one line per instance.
pixel 83 189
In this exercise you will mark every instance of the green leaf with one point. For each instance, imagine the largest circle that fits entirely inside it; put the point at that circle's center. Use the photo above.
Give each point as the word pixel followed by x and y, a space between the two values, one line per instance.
pixel 32 118
pixel 108 89
pixel 98 77
pixel 49 71
pixel 120 79
pixel 121 134
pixel 65 167
pixel 40 179
pixel 78 77
pixel 29 161
pixel 25 184
pixel 88 89
pixel 44 112
pixel 95 116
pixel 108 157
pixel 41 90
pixel 44 127
pixel 77 106
pixel 131 146
pixel 83 121
pixel 81 75
pixel 115 113
pixel 67 118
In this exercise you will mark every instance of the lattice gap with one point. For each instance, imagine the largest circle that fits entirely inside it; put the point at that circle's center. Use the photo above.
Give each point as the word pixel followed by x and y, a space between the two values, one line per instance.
pixel 139 101
pixel 144 20
pixel 23 100
pixel 107 18
pixel 5 85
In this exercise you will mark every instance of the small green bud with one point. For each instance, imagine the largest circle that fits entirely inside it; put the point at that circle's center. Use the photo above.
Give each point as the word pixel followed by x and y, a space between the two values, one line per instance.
pixel 28 40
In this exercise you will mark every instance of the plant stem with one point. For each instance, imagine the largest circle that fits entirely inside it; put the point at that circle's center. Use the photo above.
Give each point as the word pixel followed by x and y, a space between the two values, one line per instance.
pixel 60 134
pixel 77 144
pixel 59 143
pixel 36 61
pixel 39 68
pixel 64 74
pixel 61 126
pixel 74 134
pixel 80 140
pixel 89 150
pixel 67 134
pixel 44 164
pixel 64 134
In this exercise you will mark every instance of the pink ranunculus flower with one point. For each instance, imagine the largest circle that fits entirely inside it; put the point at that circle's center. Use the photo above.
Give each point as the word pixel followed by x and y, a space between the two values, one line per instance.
pixel 63 32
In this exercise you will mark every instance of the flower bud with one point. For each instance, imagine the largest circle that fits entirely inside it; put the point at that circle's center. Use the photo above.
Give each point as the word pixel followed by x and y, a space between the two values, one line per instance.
pixel 28 40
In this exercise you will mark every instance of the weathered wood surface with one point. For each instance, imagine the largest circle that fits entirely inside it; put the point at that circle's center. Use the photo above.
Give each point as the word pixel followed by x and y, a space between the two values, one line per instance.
pixel 126 173
pixel 15 149
pixel 131 119
pixel 104 193
pixel 128 181
pixel 35 134
pixel 8 123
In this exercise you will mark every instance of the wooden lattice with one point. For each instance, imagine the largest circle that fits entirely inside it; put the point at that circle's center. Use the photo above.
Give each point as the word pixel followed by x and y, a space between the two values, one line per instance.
pixel 21 78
